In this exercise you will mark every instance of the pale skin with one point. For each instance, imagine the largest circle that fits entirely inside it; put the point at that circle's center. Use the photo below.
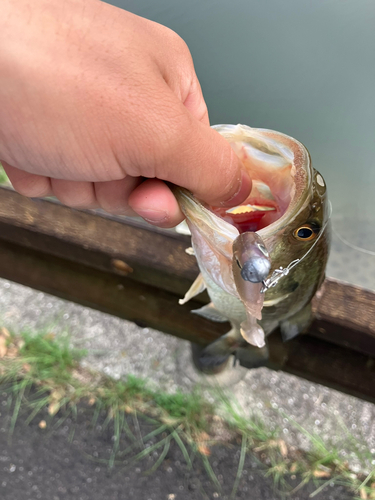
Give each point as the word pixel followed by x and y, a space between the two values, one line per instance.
pixel 101 108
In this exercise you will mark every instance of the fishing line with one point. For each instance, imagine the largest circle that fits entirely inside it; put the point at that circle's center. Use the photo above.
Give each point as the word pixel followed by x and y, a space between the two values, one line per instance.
pixel 354 247
pixel 281 272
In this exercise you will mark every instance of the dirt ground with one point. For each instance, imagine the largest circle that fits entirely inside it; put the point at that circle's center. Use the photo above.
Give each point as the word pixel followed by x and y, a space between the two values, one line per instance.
pixel 69 460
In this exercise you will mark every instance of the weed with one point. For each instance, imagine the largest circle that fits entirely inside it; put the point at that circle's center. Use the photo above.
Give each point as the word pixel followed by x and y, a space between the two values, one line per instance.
pixel 48 358
pixel 42 372
pixel 3 176
pixel 240 466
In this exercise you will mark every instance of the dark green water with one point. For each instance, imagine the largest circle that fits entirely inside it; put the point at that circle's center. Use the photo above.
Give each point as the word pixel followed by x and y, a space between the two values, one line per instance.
pixel 305 68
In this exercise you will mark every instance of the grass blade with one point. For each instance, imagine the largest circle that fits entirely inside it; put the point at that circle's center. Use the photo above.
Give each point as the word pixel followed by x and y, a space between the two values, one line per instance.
pixel 210 472
pixel 321 487
pixel 241 463
pixel 370 476
pixel 149 449
pixel 182 448
pixel 116 435
pixel 155 432
pixel 17 407
pixel 150 435
pixel 138 429
pixel 128 431
pixel 71 435
pixel 38 407
pixel 163 454
pixel 95 417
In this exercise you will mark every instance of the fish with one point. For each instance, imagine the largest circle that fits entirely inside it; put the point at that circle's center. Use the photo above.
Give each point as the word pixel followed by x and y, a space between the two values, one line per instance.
pixel 262 261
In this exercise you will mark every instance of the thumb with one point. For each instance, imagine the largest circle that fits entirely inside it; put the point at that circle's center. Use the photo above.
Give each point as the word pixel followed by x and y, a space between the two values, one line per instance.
pixel 214 172
pixel 205 164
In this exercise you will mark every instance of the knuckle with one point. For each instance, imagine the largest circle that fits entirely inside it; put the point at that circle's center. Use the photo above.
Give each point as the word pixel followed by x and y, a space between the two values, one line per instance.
pixel 179 50
pixel 176 40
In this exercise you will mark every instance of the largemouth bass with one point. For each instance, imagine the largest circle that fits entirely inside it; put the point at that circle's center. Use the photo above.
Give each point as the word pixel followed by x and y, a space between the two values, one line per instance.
pixel 263 261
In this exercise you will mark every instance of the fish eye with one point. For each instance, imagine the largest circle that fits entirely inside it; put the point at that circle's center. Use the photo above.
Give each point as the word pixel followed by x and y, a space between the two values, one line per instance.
pixel 305 233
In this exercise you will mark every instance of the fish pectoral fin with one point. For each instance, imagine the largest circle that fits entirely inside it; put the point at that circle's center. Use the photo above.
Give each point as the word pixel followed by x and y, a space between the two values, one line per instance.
pixel 277 300
pixel 209 311
pixel 253 333
pixel 196 288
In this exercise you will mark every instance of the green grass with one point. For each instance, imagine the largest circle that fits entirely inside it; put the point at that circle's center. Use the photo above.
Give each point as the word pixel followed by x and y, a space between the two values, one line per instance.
pixel 48 358
pixel 3 176
pixel 42 372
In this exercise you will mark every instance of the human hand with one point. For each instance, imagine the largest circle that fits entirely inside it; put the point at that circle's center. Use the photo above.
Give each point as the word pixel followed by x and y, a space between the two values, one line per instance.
pixel 99 107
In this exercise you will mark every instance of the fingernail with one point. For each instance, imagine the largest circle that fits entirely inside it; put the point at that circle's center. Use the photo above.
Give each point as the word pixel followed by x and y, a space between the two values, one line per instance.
pixel 153 216
pixel 242 192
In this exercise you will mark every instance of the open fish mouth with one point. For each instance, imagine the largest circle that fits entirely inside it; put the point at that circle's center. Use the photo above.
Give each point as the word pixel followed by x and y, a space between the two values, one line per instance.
pixel 279 168
pixel 248 216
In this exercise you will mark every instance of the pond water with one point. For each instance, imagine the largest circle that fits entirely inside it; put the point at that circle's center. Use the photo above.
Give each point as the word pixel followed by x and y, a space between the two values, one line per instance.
pixel 306 69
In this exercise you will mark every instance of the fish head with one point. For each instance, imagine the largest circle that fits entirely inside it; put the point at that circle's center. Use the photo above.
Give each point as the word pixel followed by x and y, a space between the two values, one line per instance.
pixel 301 242
pixel 288 207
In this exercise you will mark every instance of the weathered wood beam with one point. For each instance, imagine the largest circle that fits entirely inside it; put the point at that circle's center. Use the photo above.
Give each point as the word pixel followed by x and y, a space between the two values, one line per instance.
pixel 153 257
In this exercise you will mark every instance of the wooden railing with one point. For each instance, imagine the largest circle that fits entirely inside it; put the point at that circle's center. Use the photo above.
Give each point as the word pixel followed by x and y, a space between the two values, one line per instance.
pixel 128 269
